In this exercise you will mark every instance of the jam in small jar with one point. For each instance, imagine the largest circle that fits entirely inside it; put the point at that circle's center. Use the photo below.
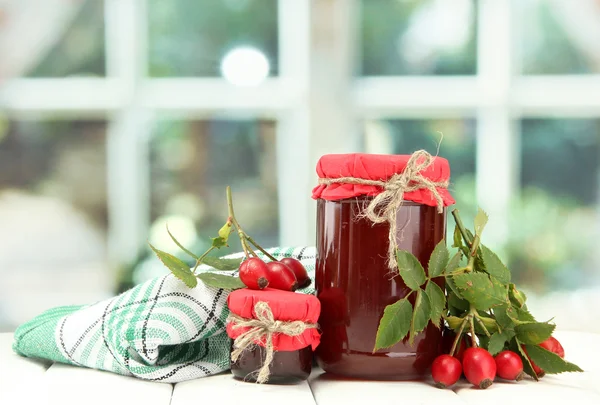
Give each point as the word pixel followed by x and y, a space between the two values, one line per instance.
pixel 352 277
pixel 280 322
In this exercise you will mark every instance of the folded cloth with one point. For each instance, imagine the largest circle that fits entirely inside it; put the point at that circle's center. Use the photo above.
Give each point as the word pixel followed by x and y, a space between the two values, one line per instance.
pixel 160 330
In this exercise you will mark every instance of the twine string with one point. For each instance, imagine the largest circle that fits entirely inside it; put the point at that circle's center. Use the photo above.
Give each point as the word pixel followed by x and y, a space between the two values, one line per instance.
pixel 262 329
pixel 384 206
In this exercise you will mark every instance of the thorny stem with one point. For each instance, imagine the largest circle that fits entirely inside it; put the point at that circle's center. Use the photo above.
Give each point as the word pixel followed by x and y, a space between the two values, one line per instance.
pixel 199 260
pixel 472 324
pixel 236 224
pixel 473 245
pixel 260 248
pixel 252 252
pixel 478 319
pixel 461 227
pixel 458 336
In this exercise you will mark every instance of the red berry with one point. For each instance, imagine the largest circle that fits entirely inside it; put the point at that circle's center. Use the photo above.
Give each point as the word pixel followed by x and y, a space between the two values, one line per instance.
pixel 554 346
pixel 254 273
pixel 550 344
pixel 445 370
pixel 281 277
pixel 299 271
pixel 479 367
pixel 509 366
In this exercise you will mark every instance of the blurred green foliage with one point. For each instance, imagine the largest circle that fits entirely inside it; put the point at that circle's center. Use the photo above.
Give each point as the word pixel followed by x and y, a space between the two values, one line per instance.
pixel 190 37
pixel 384 24
pixel 552 223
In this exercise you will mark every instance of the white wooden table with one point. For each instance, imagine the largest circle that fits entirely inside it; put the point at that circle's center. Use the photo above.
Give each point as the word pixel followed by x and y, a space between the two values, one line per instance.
pixel 25 381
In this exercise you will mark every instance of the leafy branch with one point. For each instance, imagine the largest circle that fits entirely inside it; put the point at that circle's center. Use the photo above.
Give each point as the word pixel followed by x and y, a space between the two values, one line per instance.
pixel 479 299
pixel 188 275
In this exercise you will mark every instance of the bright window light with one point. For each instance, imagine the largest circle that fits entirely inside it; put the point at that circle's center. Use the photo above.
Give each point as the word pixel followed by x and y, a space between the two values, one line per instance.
pixel 245 66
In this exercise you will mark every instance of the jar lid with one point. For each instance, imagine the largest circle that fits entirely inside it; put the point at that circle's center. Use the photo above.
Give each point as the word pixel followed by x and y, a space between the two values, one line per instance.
pixel 286 306
pixel 380 168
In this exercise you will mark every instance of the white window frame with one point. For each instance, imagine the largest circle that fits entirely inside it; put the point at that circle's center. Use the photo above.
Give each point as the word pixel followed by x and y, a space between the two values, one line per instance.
pixel 311 100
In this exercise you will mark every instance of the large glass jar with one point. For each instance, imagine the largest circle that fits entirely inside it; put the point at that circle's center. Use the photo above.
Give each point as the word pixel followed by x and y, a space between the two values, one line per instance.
pixel 354 284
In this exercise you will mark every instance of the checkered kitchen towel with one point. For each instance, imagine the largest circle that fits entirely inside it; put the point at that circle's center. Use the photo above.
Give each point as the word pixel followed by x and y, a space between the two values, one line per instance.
pixel 160 330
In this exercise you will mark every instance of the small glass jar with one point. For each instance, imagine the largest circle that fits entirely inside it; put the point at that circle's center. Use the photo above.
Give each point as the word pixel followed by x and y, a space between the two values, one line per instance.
pixel 292 354
pixel 286 368
pixel 354 284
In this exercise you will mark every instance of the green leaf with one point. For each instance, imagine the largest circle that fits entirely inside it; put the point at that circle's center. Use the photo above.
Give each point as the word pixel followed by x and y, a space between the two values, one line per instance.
pixel 438 260
pixel 522 314
pixel 470 234
pixel 489 324
pixel 550 362
pixel 179 269
pixel 496 343
pixel 410 269
pixel 484 341
pixel 515 346
pixel 437 300
pixel 456 302
pixel 534 333
pixel 502 317
pixel 420 316
pixel 180 245
pixel 494 266
pixel 481 220
pixel 221 281
pixel 219 242
pixel 517 297
pixel 454 263
pixel 458 241
pixel 394 324
pixel 481 291
pixel 222 264
pixel 450 283
pixel 454 322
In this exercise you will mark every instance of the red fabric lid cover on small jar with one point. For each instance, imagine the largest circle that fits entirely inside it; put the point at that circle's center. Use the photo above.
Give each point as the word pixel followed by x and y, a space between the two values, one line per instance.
pixel 286 306
pixel 376 167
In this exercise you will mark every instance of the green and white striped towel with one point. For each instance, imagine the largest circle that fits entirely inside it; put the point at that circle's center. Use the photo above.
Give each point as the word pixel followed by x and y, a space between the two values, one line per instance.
pixel 160 330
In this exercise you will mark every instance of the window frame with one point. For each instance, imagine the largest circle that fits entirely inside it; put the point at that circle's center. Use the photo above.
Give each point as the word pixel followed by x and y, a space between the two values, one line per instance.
pixel 311 110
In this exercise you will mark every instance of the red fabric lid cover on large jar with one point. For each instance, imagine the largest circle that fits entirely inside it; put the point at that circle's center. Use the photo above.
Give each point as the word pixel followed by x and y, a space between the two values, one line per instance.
pixel 376 167
pixel 286 306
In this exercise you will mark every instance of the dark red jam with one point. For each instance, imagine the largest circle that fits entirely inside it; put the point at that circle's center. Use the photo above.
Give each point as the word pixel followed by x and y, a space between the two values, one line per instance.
pixel 286 368
pixel 354 286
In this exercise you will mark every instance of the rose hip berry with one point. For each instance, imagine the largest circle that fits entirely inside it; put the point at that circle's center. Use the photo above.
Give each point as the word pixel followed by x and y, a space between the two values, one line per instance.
pixel 550 344
pixel 299 271
pixel 254 273
pixel 445 370
pixel 281 277
pixel 509 366
pixel 479 367
pixel 554 346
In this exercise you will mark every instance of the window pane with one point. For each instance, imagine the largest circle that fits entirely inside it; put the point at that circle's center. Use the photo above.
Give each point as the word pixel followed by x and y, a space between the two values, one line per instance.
pixel 53 216
pixel 192 162
pixel 418 37
pixel 554 225
pixel 73 42
pixel 191 37
pixel 560 36
pixel 458 146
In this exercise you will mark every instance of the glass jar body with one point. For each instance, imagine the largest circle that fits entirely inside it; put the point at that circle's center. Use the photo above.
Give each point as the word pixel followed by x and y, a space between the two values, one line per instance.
pixel 355 285
pixel 288 367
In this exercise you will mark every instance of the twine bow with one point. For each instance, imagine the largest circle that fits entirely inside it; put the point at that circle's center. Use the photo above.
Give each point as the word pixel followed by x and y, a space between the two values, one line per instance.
pixel 262 329
pixel 384 206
